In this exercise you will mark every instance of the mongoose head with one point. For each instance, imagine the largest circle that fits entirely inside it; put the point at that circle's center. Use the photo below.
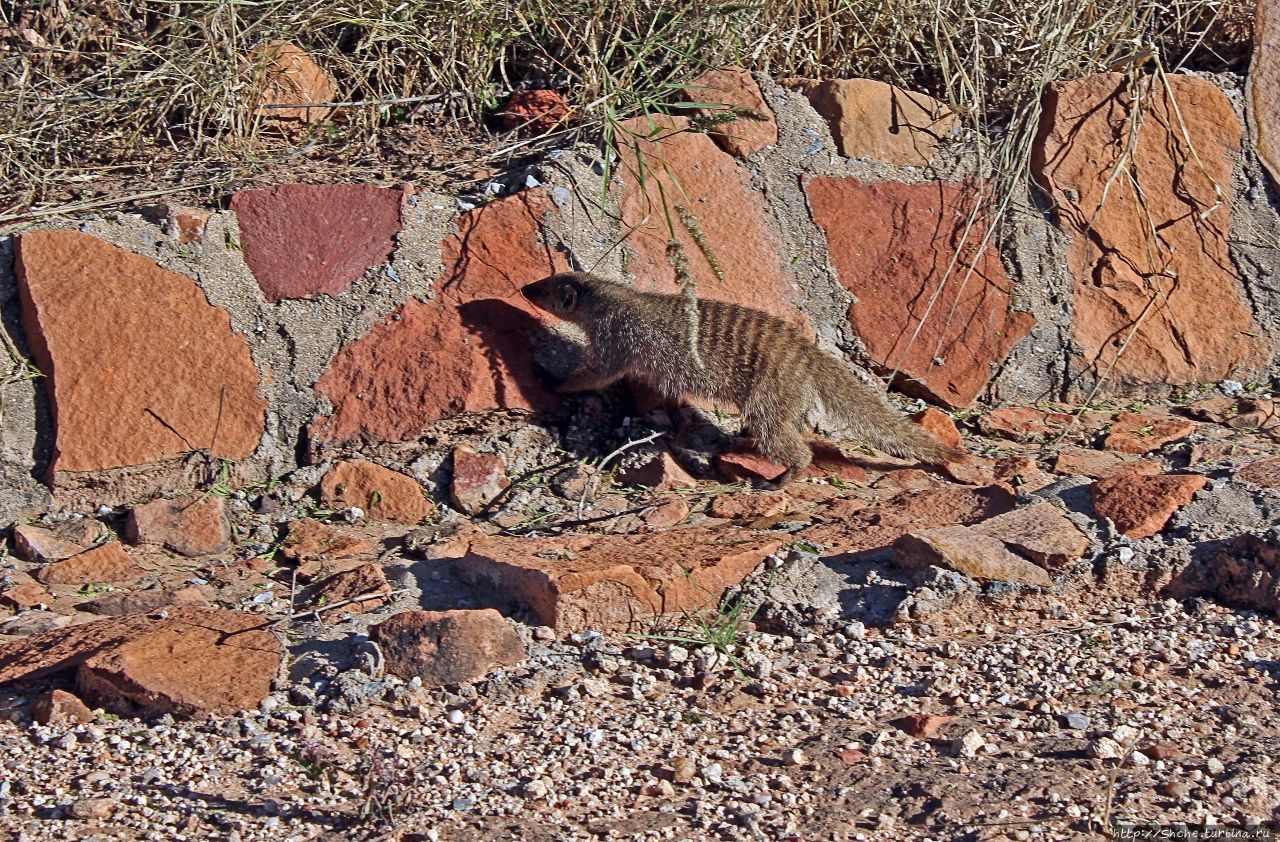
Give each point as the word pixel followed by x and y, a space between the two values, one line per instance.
pixel 561 295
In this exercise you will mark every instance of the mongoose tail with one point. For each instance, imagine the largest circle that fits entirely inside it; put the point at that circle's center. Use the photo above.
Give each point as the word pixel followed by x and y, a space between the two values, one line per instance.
pixel 872 419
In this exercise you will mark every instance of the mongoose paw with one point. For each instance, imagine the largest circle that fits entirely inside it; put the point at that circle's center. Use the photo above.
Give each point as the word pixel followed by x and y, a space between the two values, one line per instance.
pixel 546 378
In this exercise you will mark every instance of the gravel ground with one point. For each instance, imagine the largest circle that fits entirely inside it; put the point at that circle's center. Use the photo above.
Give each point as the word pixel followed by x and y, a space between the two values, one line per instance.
pixel 1161 712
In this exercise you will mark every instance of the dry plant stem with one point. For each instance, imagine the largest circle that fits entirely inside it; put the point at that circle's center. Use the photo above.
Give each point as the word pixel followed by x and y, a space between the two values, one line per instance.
pixel 341 604
pixel 589 488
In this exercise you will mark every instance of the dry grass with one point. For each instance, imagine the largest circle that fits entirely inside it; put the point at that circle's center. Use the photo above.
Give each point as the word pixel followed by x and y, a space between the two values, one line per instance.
pixel 96 90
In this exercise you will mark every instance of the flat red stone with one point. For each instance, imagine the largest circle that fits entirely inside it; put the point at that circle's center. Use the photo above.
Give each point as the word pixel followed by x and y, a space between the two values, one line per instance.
pixel 302 240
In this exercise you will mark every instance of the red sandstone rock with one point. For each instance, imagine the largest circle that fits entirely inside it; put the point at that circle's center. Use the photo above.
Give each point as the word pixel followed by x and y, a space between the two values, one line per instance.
pixel 661 472
pixel 465 351
pixel 615 582
pixel 872 119
pixel 1133 432
pixel 448 647
pixel 877 526
pixel 1126 275
pixel 312 540
pixel 940 425
pixel 302 240
pixel 139 366
pixel 383 494
pixel 194 524
pixel 108 563
pixel 534 112
pixel 1262 87
pixel 1263 472
pixel 747 506
pixel 922 726
pixel 358 581
pixel 193 660
pixel 715 191
pixel 967 551
pixel 1094 464
pixel 190 223
pixel 1023 423
pixel 60 708
pixel 1253 413
pixel 1139 505
pixel 829 461
pixel 891 244
pixel 747 466
pixel 1042 532
pixel 143 602
pixel 283 74
pixel 666 513
pixel 54 543
pixel 734 87
pixel 25 596
pixel 478 478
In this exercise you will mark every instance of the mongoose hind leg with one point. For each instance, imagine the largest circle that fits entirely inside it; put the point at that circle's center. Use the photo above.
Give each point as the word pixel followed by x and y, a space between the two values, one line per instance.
pixel 778 437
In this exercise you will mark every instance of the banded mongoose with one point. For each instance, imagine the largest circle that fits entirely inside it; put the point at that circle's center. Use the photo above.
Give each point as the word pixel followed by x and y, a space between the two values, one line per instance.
pixel 770 370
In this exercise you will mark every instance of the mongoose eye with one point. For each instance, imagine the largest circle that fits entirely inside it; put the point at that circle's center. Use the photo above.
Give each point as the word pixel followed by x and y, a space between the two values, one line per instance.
pixel 568 298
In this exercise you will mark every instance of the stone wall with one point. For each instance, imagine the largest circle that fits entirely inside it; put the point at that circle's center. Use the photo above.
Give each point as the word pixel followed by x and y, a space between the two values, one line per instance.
pixel 308 321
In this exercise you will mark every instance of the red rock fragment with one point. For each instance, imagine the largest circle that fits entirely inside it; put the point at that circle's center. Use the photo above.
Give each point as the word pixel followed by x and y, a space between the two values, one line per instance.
pixel 313 540
pixel 1264 472
pixel 194 524
pixel 755 129
pixel 1140 506
pixel 922 726
pixel 467 350
pixel 1023 423
pixel 194 660
pixel 108 563
pixel 143 602
pixel 1094 464
pixel 304 240
pixel 58 707
pixel 1042 532
pixel 872 119
pixel 891 245
pixel 741 465
pixel 966 551
pixel 102 324
pixel 54 543
pixel 26 596
pixel 940 425
pixel 1133 432
pixel 534 112
pixel 666 513
pixel 873 527
pixel 747 506
pixel 1253 413
pixel 615 582
pixel 478 479
pixel 661 472
pixel 907 479
pixel 381 493
pixel 282 74
pixel 359 581
pixel 448 647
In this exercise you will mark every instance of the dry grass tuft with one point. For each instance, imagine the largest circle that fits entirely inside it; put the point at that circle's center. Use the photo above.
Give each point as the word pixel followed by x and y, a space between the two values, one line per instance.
pixel 144 89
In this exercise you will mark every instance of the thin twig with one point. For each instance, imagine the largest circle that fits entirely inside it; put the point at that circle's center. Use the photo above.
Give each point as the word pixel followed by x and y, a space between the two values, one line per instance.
pixel 340 604
pixel 590 485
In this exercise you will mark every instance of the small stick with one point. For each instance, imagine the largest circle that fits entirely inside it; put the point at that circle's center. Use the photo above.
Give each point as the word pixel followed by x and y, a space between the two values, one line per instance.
pixel 589 488
pixel 343 603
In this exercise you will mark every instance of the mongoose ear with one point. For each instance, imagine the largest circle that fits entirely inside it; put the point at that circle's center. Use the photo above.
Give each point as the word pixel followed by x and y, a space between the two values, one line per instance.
pixel 568 298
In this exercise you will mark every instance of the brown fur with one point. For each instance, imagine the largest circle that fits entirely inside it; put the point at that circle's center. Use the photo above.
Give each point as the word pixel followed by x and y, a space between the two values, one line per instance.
pixel 750 358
